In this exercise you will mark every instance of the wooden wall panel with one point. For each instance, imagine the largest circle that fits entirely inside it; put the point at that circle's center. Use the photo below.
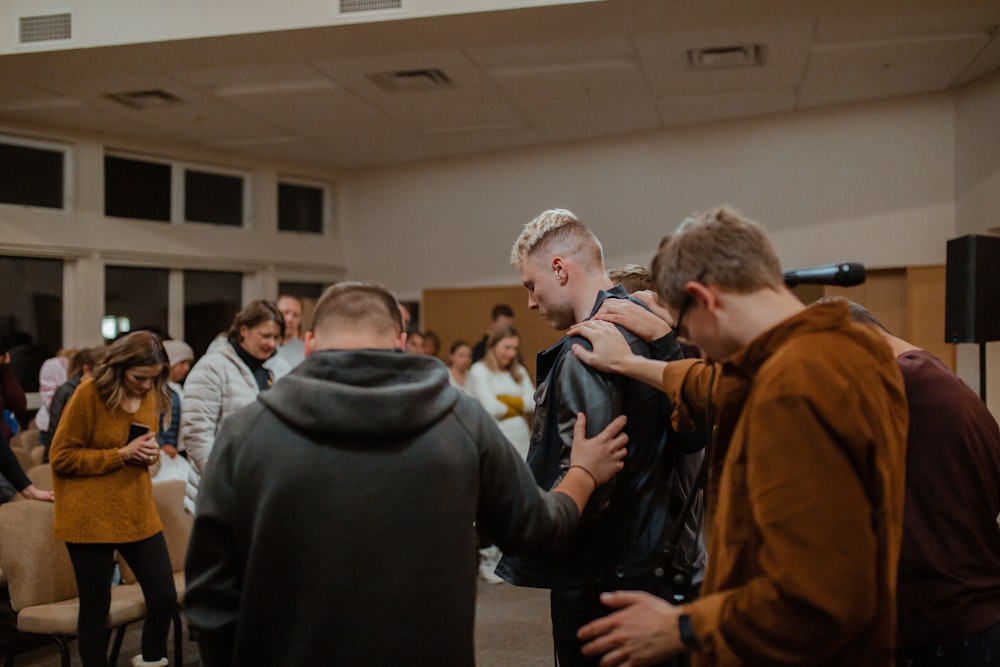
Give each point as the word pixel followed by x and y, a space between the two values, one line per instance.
pixel 926 286
pixel 464 314
pixel 908 300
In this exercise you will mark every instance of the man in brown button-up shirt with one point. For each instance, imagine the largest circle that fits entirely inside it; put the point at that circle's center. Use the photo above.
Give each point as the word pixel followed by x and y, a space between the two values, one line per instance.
pixel 805 493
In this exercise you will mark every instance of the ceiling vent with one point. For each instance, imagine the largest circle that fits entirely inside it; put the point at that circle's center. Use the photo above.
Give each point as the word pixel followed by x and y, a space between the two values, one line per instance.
pixel 411 80
pixel 142 100
pixel 45 28
pixel 727 57
pixel 354 6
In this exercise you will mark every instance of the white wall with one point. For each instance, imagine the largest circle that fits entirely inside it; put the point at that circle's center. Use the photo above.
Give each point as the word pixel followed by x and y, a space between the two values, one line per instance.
pixel 871 183
pixel 977 201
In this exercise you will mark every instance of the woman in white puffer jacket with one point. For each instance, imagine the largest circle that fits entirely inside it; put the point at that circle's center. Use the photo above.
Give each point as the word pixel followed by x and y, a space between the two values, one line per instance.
pixel 234 370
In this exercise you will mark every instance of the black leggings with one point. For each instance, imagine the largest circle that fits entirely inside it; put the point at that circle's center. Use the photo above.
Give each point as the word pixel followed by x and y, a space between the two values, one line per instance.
pixel 93 565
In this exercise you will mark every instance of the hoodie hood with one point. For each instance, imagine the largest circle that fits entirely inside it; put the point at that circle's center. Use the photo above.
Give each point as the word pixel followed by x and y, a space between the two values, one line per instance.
pixel 362 393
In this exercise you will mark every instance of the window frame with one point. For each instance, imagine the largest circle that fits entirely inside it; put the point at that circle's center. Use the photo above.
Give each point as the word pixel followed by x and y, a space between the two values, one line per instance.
pixel 67 169
pixel 327 219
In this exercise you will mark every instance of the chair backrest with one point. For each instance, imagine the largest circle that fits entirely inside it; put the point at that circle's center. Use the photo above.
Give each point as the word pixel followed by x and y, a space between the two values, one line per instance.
pixel 177 524
pixel 37 454
pixel 26 440
pixel 41 476
pixel 37 567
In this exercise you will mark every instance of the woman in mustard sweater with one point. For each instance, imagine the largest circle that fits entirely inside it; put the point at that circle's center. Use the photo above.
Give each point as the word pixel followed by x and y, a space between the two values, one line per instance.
pixel 100 456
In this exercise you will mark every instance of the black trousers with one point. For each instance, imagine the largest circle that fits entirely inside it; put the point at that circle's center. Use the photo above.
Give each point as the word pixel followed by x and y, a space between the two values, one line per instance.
pixel 978 650
pixel 93 565
pixel 573 608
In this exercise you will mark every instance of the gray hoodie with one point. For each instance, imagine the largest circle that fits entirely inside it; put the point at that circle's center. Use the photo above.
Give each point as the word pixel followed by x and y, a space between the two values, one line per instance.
pixel 335 521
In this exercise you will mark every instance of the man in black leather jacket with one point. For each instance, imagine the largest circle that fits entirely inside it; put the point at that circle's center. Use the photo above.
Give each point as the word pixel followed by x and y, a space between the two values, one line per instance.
pixel 621 532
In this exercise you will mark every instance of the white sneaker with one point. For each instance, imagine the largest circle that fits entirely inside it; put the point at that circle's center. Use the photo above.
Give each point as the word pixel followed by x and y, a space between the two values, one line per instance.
pixel 489 577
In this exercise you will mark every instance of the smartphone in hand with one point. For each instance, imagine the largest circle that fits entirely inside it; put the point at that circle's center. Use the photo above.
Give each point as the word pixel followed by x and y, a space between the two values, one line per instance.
pixel 136 430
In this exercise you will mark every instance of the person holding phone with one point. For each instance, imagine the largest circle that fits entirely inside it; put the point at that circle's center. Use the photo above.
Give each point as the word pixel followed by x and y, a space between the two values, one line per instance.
pixel 100 456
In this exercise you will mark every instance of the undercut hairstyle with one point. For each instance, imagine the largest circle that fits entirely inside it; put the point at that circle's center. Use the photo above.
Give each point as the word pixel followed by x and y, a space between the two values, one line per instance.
pixel 139 348
pixel 557 232
pixel 858 313
pixel 253 314
pixel 718 247
pixel 490 357
pixel 357 305
pixel 501 310
pixel 632 277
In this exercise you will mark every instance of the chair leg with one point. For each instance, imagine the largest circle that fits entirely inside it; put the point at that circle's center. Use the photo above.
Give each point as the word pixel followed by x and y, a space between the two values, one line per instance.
pixel 63 649
pixel 117 647
pixel 178 639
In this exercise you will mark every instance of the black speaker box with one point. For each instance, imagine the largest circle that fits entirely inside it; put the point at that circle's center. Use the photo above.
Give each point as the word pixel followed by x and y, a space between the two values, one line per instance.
pixel 972 292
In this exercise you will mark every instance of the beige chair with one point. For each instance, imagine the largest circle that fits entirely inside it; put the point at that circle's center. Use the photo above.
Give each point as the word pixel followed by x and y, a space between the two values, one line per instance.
pixel 26 440
pixel 41 583
pixel 177 525
pixel 37 454
pixel 41 476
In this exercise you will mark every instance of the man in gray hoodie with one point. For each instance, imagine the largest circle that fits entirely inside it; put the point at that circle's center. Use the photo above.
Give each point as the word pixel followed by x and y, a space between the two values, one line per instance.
pixel 360 454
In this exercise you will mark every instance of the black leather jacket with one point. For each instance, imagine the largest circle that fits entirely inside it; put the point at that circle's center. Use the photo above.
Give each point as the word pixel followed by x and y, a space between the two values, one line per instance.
pixel 622 528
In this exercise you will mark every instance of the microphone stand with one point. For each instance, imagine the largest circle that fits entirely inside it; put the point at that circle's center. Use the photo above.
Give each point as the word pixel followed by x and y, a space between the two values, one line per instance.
pixel 982 370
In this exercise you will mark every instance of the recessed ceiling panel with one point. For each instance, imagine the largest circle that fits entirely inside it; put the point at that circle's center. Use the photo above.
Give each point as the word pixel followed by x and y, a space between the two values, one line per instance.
pixel 469 98
pixel 957 17
pixel 785 48
pixel 863 71
pixel 583 99
pixel 567 48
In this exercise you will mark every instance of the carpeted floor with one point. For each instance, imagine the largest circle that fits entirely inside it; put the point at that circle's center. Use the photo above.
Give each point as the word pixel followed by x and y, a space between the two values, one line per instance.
pixel 512 628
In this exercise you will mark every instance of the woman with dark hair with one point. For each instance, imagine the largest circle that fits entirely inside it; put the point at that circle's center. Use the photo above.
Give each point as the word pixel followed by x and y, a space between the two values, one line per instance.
pixel 81 367
pixel 230 375
pixel 100 455
pixel 459 361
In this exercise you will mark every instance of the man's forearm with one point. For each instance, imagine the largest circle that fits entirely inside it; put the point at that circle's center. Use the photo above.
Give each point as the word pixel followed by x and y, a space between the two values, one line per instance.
pixel 643 369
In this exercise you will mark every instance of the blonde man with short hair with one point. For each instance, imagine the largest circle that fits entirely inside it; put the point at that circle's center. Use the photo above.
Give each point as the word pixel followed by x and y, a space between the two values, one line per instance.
pixel 562 266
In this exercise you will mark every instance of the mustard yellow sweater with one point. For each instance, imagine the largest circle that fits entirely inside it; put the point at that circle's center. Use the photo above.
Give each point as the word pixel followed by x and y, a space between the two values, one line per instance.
pixel 99 498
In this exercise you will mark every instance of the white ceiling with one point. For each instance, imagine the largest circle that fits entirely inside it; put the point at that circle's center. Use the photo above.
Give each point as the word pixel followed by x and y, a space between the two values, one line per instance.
pixel 518 78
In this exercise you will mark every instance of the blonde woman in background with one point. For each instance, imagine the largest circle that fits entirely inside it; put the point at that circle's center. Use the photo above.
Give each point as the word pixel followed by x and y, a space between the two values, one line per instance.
pixel 502 385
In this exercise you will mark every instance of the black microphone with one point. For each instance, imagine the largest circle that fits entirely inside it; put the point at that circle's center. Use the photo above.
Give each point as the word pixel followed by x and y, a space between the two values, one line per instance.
pixel 843 274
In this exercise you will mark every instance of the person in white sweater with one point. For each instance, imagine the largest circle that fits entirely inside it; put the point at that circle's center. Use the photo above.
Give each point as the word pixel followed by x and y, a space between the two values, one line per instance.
pixel 501 384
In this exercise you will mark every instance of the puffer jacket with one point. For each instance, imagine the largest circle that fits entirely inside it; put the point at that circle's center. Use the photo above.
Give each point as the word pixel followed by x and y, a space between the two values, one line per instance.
pixel 218 385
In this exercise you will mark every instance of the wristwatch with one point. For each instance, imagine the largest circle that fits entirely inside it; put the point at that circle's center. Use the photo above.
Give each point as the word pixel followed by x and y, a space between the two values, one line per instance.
pixel 687 632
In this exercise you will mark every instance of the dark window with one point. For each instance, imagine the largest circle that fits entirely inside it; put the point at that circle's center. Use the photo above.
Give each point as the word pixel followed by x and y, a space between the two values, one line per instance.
pixel 31 310
pixel 211 301
pixel 136 299
pixel 31 176
pixel 136 189
pixel 300 208
pixel 213 198
pixel 302 290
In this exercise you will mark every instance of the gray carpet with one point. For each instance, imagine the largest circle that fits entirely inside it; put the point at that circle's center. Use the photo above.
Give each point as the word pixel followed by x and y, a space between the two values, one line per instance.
pixel 512 629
